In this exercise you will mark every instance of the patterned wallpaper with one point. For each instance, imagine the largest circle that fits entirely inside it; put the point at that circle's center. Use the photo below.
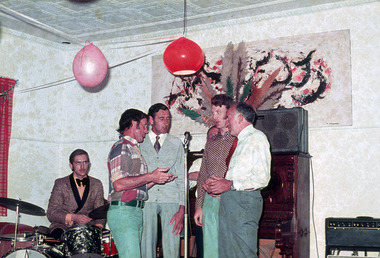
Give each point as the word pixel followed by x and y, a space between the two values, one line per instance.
pixel 49 123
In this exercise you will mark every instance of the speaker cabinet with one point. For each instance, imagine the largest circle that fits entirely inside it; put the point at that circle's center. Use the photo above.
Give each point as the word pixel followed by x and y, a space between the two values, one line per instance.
pixel 286 129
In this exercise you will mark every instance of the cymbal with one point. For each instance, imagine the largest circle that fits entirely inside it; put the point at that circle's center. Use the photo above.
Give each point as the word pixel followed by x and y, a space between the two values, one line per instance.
pixel 100 212
pixel 23 207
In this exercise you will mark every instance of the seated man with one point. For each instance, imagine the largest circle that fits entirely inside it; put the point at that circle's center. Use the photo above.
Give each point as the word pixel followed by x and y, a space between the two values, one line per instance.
pixel 74 196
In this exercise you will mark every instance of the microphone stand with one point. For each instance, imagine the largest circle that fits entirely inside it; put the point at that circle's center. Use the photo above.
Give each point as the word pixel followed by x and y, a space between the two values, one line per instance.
pixel 185 240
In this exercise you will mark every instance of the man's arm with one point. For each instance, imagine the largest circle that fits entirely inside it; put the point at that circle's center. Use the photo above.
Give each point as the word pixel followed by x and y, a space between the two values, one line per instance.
pixel 198 217
pixel 178 220
pixel 179 166
pixel 157 176
pixel 55 212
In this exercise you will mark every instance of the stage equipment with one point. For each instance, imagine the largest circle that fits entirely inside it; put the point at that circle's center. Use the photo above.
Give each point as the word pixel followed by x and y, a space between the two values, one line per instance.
pixel 186 143
pixel 23 207
pixel 353 234
pixel 286 211
pixel 100 212
pixel 285 128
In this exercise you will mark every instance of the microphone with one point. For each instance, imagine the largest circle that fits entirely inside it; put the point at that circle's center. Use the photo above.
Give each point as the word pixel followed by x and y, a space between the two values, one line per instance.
pixel 187 139
pixel 187 136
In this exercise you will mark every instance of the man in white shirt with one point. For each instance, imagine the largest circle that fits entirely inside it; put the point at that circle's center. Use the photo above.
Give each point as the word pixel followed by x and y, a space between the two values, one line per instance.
pixel 248 172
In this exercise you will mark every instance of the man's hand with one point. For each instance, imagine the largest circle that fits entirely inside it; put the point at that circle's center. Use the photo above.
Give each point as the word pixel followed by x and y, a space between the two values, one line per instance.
pixel 198 217
pixel 159 176
pixel 216 185
pixel 80 218
pixel 193 175
pixel 99 226
pixel 178 220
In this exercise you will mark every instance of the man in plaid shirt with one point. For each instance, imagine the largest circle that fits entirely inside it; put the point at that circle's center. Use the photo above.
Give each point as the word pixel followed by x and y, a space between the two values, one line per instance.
pixel 129 181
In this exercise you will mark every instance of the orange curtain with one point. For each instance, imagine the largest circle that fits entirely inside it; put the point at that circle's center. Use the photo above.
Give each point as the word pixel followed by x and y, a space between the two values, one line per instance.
pixel 6 97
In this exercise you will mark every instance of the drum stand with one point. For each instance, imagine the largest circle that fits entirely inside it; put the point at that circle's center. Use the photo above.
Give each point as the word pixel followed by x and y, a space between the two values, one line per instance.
pixel 16 224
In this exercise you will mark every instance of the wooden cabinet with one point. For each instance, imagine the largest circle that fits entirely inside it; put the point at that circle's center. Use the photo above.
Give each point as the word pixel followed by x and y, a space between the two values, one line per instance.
pixel 286 213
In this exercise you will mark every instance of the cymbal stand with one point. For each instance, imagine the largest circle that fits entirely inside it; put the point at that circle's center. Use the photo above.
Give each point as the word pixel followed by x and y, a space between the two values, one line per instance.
pixel 16 224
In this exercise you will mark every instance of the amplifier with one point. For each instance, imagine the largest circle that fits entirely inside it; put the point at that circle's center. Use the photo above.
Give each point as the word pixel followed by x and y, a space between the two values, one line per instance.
pixel 361 233
pixel 285 128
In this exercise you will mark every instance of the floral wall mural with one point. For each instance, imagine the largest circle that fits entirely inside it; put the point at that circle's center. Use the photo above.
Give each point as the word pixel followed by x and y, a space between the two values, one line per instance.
pixel 309 71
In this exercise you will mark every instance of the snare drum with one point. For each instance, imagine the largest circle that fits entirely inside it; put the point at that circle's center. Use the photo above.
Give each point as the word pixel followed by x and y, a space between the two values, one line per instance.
pixel 35 252
pixel 82 239
pixel 7 242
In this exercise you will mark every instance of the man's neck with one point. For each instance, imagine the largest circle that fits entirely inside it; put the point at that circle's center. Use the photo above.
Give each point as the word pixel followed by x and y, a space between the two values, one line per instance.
pixel 224 130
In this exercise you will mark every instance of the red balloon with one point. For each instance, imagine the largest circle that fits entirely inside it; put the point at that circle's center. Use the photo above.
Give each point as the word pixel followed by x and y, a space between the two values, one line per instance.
pixel 90 66
pixel 183 57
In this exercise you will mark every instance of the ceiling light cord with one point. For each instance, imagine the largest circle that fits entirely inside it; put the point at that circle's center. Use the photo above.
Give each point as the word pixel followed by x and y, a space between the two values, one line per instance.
pixel 184 18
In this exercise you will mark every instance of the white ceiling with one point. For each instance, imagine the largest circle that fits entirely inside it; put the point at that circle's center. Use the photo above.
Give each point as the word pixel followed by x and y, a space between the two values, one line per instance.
pixel 77 21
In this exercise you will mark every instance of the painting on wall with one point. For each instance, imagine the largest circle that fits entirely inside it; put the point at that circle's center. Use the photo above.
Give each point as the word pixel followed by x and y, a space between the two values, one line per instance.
pixel 310 71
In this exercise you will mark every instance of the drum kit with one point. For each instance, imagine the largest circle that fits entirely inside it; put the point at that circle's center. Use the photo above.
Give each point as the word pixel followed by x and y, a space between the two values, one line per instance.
pixel 34 242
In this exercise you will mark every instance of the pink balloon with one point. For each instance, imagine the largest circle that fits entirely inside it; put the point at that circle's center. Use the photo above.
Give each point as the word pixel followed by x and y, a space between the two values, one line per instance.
pixel 90 66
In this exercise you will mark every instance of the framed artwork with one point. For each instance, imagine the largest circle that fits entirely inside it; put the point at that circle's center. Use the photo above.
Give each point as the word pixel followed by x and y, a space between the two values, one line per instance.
pixel 311 71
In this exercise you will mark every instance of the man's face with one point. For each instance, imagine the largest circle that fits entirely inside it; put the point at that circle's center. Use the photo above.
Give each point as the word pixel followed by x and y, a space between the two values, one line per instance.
pixel 140 130
pixel 233 121
pixel 80 166
pixel 160 122
pixel 219 114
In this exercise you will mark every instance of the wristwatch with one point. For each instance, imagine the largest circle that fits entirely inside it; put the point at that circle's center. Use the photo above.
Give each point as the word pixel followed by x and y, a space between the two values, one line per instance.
pixel 232 186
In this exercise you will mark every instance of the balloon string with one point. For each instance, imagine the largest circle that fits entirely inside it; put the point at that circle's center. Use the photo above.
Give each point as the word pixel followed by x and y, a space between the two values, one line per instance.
pixel 32 21
pixel 70 79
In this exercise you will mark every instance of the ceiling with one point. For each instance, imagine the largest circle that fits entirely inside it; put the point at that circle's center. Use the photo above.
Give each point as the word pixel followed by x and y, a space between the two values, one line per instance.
pixel 77 21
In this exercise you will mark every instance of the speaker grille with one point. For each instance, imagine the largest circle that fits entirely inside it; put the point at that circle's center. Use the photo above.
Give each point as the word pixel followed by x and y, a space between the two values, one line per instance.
pixel 286 129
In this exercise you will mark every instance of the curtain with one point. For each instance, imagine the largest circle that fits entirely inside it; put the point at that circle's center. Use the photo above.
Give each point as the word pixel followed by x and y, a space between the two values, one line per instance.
pixel 6 98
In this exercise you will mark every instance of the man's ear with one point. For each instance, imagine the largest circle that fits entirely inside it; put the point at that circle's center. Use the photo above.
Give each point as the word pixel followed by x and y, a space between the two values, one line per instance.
pixel 71 166
pixel 151 120
pixel 240 118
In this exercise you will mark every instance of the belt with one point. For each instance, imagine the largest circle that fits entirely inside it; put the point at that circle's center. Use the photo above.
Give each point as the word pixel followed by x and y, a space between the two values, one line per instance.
pixel 252 189
pixel 134 203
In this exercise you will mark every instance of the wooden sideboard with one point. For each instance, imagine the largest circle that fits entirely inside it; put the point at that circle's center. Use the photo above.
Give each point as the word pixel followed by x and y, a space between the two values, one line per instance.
pixel 286 214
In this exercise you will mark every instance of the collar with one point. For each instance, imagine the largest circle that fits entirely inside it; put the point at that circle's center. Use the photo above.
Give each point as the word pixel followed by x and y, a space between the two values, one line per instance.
pixel 246 131
pixel 75 178
pixel 152 137
pixel 129 140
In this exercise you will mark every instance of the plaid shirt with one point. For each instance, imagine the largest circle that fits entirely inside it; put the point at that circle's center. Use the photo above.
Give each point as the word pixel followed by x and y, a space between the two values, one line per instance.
pixel 125 160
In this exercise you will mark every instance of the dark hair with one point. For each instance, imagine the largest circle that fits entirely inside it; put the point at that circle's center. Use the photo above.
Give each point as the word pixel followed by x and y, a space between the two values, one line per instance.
pixel 155 108
pixel 76 153
pixel 222 99
pixel 128 116
pixel 247 111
